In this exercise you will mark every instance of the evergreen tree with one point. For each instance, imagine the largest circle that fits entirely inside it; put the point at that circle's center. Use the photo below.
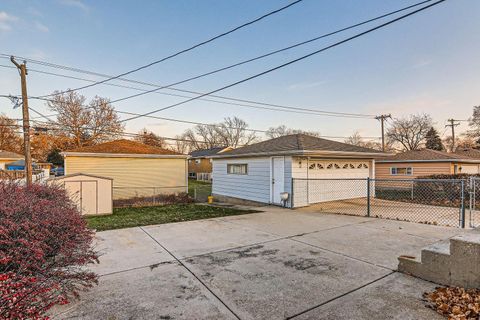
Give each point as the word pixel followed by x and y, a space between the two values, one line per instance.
pixel 55 157
pixel 433 141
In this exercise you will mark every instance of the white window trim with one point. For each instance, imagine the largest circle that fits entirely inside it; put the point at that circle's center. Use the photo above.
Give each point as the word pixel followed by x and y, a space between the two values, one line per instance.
pixel 398 174
pixel 238 164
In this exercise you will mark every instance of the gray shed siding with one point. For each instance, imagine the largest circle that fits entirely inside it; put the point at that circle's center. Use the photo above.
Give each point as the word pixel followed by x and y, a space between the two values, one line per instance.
pixel 254 186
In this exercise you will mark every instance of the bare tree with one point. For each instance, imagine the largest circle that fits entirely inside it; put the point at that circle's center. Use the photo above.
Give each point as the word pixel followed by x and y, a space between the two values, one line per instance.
pixel 474 123
pixel 357 140
pixel 410 132
pixel 10 139
pixel 97 123
pixel 181 144
pixel 150 138
pixel 283 130
pixel 231 132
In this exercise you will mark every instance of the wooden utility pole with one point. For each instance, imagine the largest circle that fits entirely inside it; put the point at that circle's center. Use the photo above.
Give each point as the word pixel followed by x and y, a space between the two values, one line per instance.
pixel 452 124
pixel 382 119
pixel 26 120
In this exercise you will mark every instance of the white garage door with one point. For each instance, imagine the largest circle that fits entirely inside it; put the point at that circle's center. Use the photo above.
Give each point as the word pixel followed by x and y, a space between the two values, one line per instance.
pixel 337 180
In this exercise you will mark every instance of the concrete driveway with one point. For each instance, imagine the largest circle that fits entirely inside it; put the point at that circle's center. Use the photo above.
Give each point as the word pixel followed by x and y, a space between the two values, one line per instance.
pixel 272 265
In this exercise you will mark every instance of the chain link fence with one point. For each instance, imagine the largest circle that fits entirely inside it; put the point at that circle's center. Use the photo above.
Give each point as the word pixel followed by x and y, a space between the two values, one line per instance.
pixel 149 196
pixel 431 201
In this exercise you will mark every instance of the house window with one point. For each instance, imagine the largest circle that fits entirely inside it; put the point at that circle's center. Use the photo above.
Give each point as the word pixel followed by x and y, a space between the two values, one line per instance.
pixel 197 161
pixel 237 168
pixel 401 171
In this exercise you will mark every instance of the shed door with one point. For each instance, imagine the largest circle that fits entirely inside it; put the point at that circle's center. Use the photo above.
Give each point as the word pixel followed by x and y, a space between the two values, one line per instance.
pixel 89 197
pixel 278 181
pixel 84 195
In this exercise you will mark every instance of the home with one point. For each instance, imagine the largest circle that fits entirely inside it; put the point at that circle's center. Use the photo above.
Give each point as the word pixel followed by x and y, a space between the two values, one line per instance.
pixel 294 170
pixel 137 170
pixel 419 163
pixel 200 163
pixel 8 157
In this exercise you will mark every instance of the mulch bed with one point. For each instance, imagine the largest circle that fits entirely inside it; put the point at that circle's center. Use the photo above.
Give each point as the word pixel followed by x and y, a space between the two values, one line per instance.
pixel 455 303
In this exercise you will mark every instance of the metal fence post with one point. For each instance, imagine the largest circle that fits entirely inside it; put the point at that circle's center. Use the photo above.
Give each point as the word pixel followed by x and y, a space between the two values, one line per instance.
pixel 462 205
pixel 368 196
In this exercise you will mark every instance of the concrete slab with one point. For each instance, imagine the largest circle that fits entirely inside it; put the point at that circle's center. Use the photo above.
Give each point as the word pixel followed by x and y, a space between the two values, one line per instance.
pixel 281 278
pixel 167 291
pixel 396 297
pixel 287 222
pixel 126 249
pixel 379 247
pixel 191 238
pixel 417 229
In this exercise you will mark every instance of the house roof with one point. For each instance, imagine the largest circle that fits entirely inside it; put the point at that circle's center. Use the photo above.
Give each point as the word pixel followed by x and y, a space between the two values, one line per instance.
pixel 206 152
pixel 9 155
pixel 427 155
pixel 18 163
pixel 471 153
pixel 301 144
pixel 122 146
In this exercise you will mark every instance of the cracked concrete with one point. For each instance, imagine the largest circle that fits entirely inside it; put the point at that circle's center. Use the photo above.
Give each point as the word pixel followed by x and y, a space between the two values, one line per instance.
pixel 275 264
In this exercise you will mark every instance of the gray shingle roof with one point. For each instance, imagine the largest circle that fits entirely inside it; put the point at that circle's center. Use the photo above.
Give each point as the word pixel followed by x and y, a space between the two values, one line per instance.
pixel 297 143
pixel 206 152
pixel 471 153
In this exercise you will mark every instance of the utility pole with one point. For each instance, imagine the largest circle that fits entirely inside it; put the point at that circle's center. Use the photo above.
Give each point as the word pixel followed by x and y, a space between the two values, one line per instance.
pixel 382 119
pixel 452 124
pixel 26 120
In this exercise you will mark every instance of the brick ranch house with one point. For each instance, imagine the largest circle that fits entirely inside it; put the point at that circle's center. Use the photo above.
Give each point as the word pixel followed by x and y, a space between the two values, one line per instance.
pixel 419 163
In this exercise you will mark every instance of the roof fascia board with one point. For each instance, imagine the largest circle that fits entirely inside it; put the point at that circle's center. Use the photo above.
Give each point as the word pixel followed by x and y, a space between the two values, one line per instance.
pixel 123 155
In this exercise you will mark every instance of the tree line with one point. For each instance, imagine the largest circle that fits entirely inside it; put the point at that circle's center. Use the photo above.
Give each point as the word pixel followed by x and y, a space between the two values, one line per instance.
pixel 80 123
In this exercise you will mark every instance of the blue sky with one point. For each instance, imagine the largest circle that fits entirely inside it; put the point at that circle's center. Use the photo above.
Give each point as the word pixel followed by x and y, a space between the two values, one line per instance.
pixel 426 63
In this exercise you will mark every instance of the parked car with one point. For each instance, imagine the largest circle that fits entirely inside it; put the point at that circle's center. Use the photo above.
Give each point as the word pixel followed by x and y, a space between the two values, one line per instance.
pixel 59 171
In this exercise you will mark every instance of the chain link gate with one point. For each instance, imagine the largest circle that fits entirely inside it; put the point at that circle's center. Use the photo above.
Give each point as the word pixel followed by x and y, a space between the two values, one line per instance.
pixel 474 210
pixel 431 201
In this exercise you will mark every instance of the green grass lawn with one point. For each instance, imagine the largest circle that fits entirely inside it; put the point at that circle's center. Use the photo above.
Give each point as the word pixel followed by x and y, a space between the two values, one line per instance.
pixel 143 216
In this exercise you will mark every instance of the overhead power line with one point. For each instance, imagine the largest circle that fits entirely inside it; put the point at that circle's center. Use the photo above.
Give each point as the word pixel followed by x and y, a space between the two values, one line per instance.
pixel 290 62
pixel 271 53
pixel 223 34
pixel 47 117
pixel 236 64
pixel 273 107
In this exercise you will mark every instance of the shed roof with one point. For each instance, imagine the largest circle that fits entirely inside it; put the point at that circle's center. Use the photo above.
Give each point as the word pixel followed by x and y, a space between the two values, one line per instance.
pixel 123 146
pixel 9 155
pixel 427 155
pixel 298 144
pixel 206 152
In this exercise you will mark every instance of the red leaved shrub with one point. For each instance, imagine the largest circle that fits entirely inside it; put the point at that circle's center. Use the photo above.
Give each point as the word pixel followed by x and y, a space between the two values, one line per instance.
pixel 44 247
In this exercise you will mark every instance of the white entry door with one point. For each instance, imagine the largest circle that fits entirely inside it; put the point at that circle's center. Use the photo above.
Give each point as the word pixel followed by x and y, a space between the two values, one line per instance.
pixel 278 181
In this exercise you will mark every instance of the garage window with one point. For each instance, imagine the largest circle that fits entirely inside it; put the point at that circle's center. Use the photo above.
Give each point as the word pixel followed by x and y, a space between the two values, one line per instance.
pixel 407 171
pixel 240 168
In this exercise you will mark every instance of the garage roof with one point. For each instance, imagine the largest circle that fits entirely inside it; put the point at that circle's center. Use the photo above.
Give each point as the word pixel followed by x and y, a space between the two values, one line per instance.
pixel 301 144
pixel 124 147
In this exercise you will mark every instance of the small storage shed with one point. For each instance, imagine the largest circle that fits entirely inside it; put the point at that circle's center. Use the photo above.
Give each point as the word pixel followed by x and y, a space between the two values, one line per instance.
pixel 92 194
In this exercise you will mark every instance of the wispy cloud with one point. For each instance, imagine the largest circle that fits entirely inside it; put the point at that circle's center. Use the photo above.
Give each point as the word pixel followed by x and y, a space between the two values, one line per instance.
pixel 75 4
pixel 6 21
pixel 422 63
pixel 306 85
pixel 41 27
pixel 34 12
